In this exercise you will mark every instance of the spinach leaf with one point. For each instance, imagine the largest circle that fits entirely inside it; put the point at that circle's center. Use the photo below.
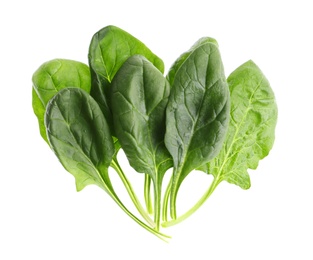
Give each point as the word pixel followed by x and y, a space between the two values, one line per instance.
pixel 192 119
pixel 250 135
pixel 139 98
pixel 109 49
pixel 80 137
pixel 251 130
pixel 57 74
pixel 177 64
pixel 197 114
pixel 53 76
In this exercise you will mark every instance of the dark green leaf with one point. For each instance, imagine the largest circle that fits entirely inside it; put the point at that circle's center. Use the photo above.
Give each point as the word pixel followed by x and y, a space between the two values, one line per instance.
pixel 198 112
pixel 80 137
pixel 251 130
pixel 139 98
pixel 109 49
pixel 178 63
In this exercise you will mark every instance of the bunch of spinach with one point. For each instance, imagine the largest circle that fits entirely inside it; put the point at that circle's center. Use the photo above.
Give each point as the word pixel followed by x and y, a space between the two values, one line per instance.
pixel 192 119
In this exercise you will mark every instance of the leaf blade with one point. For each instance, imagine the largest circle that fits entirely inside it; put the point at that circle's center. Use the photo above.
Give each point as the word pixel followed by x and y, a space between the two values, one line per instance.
pixel 51 77
pixel 110 47
pixel 251 130
pixel 57 74
pixel 178 63
pixel 198 107
pixel 80 137
pixel 39 111
pixel 139 98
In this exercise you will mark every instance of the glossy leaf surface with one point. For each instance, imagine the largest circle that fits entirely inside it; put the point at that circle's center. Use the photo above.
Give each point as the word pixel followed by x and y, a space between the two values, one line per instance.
pixel 109 49
pixel 198 112
pixel 251 130
pixel 80 137
pixel 139 98
pixel 179 62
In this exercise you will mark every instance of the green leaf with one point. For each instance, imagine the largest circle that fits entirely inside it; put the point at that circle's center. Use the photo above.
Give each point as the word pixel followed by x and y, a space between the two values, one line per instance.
pixel 251 130
pixel 53 76
pixel 80 137
pixel 197 114
pixel 109 49
pixel 139 98
pixel 178 63
pixel 39 111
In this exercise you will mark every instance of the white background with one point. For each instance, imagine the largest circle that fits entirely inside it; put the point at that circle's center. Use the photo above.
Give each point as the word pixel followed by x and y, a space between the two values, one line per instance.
pixel 41 214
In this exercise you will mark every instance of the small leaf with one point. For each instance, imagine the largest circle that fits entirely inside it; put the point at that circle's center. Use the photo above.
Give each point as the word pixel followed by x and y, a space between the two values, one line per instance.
pixel 251 130
pixel 80 137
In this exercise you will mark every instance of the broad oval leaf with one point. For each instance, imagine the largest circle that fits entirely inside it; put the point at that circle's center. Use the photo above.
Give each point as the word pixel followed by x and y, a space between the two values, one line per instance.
pixel 80 137
pixel 198 111
pixel 109 49
pixel 252 125
pixel 139 98
pixel 53 76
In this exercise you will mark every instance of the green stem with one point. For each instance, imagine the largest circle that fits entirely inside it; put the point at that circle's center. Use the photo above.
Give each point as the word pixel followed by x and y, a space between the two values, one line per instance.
pixel 115 165
pixel 166 200
pixel 147 194
pixel 138 221
pixel 157 203
pixel 174 192
pixel 103 173
pixel 206 195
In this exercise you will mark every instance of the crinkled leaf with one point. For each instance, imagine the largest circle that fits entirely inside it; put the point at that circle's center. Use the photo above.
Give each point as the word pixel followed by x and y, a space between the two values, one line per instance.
pixel 80 137
pixel 109 49
pixel 252 125
pixel 139 98
pixel 197 114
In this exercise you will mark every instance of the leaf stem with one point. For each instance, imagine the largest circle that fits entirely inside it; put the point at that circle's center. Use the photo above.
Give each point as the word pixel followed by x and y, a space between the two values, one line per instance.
pixel 147 194
pixel 115 165
pixel 109 189
pixel 138 221
pixel 206 195
pixel 157 202
pixel 166 200
pixel 174 192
